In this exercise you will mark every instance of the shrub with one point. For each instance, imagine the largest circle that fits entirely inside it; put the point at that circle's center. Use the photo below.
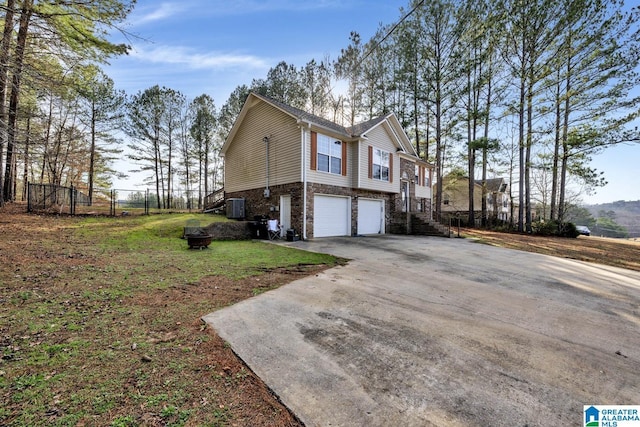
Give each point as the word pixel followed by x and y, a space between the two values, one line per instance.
pixel 568 229
pixel 545 228
pixel 554 228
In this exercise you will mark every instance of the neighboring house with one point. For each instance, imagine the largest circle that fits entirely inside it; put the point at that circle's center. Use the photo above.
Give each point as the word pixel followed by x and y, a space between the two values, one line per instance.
pixel 320 178
pixel 455 197
pixel 498 199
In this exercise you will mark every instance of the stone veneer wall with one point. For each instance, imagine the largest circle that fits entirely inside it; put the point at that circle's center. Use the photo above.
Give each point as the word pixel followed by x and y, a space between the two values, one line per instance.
pixel 257 204
pixel 408 168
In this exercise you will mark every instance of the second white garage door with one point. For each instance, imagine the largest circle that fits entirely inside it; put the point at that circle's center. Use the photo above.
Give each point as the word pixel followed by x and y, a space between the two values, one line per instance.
pixel 331 216
pixel 370 216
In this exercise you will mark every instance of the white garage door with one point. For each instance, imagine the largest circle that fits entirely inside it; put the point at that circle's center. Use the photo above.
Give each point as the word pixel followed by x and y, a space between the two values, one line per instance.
pixel 370 216
pixel 331 216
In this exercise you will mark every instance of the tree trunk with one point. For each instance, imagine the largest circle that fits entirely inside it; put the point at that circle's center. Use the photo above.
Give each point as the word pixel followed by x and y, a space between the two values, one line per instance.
pixel 527 164
pixel 565 146
pixel 438 152
pixel 45 148
pixel 521 145
pixel 169 168
pixel 416 113
pixel 527 171
pixel 556 152
pixel 207 144
pixel 5 49
pixel 485 147
pixel 471 161
pixel 92 152
pixel 27 161
pixel 521 140
pixel 200 175
pixel 9 176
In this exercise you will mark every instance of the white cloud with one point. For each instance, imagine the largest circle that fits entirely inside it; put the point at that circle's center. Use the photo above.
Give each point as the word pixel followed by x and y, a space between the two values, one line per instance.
pixel 194 60
pixel 241 7
pixel 166 10
pixel 244 6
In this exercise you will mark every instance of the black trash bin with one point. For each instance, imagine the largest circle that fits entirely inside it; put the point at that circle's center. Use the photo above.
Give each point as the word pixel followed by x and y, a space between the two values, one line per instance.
pixel 292 236
pixel 253 229
pixel 260 227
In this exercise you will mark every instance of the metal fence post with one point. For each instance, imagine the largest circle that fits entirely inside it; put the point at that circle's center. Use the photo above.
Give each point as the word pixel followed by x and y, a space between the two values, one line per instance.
pixel 72 207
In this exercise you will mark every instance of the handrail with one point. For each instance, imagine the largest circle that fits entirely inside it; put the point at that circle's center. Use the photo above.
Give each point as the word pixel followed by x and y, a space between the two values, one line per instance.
pixel 214 198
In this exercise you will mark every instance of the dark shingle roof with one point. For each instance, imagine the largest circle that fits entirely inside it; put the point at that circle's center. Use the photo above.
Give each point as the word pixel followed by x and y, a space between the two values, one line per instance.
pixel 352 131
pixel 361 128
pixel 493 184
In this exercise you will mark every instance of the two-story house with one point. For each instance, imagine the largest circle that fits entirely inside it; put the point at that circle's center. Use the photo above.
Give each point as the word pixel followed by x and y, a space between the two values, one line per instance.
pixel 498 199
pixel 320 178
pixel 455 197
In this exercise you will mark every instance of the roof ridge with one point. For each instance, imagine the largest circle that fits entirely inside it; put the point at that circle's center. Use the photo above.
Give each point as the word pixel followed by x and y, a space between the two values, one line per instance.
pixel 352 131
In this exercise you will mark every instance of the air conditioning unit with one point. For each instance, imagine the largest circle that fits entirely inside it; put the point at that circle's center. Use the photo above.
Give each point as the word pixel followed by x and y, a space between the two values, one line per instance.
pixel 235 208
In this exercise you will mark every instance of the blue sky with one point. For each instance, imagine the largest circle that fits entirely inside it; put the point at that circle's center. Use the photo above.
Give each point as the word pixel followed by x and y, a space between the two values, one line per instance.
pixel 213 46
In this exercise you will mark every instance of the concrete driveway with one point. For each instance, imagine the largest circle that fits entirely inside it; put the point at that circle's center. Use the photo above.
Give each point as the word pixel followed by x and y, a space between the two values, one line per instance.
pixel 419 331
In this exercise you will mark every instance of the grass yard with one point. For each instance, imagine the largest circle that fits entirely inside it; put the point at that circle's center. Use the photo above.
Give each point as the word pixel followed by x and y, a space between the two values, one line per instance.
pixel 100 322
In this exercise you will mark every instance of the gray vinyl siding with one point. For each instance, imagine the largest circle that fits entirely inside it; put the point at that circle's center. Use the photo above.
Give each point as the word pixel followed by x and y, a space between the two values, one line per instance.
pixel 245 159
pixel 379 138
pixel 354 161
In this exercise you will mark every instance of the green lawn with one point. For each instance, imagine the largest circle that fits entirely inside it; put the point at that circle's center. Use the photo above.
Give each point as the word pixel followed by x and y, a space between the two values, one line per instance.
pixel 99 324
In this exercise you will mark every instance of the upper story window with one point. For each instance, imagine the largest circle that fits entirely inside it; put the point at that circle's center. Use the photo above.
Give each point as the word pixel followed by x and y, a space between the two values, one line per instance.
pixel 422 175
pixel 329 155
pixel 381 164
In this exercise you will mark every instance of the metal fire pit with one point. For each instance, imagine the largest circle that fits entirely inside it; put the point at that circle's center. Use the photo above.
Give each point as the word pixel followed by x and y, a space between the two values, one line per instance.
pixel 198 240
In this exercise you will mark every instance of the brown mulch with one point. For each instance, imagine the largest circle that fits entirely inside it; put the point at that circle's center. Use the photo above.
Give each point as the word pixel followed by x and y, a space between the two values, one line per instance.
pixel 624 253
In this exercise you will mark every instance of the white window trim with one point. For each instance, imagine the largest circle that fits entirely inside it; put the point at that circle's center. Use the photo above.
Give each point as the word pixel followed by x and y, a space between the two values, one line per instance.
pixel 380 165
pixel 329 155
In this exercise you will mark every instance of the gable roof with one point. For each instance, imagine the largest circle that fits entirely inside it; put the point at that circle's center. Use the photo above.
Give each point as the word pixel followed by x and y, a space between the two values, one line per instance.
pixel 493 184
pixel 303 116
pixel 349 133
pixel 454 180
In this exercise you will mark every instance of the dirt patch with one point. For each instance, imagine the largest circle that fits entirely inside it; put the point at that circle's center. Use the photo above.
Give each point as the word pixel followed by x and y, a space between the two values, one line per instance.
pixel 614 252
pixel 78 350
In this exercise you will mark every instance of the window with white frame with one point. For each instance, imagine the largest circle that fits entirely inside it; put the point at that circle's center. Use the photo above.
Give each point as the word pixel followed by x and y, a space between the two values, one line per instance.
pixel 329 155
pixel 380 164
pixel 422 175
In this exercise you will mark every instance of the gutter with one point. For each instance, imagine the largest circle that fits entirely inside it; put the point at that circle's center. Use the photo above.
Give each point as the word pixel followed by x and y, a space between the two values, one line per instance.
pixel 303 138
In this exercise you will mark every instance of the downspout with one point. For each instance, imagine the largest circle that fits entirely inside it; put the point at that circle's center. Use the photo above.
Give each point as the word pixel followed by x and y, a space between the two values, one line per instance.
pixel 267 191
pixel 359 183
pixel 303 138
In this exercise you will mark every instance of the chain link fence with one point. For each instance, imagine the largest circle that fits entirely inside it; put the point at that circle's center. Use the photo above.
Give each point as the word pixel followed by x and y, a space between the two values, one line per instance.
pixel 59 199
